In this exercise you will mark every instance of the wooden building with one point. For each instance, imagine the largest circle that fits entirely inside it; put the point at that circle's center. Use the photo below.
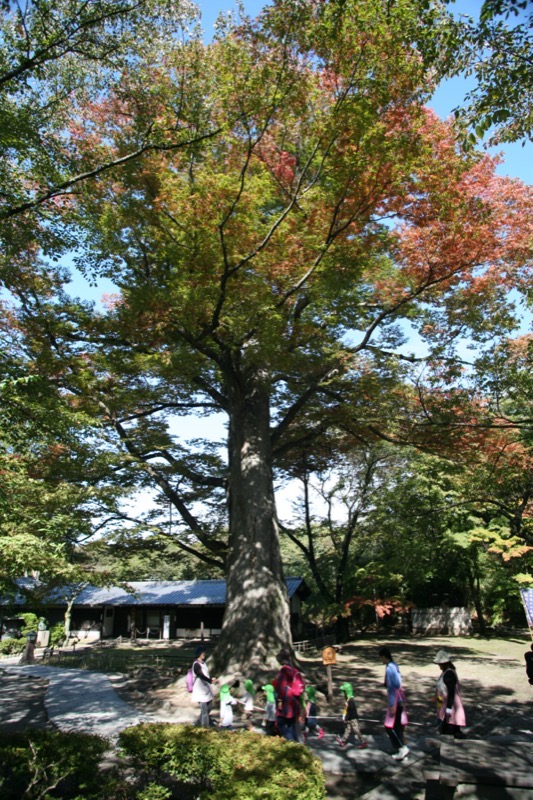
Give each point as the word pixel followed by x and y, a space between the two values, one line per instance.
pixel 149 609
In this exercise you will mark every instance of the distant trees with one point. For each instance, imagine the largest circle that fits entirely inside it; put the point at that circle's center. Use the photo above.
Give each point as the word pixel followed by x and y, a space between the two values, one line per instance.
pixel 389 525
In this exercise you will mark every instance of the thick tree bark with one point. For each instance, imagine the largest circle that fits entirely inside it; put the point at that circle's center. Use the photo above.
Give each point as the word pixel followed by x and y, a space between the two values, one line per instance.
pixel 342 630
pixel 256 621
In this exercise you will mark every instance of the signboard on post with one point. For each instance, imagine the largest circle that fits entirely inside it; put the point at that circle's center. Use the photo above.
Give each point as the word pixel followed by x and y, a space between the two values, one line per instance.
pixel 329 655
pixel 527 600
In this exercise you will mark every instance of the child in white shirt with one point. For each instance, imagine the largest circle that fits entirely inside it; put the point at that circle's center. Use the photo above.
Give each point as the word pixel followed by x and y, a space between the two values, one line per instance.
pixel 226 708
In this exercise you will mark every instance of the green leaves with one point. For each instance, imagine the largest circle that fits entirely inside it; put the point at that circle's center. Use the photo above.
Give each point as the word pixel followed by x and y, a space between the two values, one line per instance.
pixel 497 51
pixel 221 765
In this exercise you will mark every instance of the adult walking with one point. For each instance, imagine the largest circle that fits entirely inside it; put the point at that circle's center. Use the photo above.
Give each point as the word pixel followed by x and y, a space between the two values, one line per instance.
pixel 202 690
pixel 396 716
pixel 449 703
pixel 528 655
pixel 289 688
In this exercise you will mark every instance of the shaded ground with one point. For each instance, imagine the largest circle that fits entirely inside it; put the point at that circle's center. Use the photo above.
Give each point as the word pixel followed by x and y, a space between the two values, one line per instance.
pixel 491 672
pixel 22 703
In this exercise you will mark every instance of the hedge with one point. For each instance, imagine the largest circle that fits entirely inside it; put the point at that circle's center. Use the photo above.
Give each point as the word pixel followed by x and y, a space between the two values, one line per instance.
pixel 223 765
pixel 42 764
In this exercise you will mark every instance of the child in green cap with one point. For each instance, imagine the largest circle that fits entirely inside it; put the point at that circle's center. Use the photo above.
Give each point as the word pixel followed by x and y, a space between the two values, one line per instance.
pixel 248 703
pixel 311 712
pixel 351 718
pixel 226 708
pixel 270 710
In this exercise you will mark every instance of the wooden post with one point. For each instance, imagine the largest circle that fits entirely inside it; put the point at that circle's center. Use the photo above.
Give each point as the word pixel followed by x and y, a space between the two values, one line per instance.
pixel 330 682
pixel 329 657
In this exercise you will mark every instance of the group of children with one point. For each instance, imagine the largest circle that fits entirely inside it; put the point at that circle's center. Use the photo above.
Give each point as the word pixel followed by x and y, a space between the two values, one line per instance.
pixel 307 722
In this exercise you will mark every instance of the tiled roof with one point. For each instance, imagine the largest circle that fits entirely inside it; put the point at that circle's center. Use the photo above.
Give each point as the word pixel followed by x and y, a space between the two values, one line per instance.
pixel 153 593
pixel 156 593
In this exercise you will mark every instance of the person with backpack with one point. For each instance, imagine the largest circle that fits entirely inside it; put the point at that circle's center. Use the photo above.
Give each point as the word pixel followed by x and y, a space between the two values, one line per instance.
pixel 289 688
pixel 202 690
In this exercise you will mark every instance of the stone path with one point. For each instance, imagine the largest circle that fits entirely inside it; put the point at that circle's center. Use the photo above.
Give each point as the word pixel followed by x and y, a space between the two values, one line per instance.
pixel 79 700
pixel 22 703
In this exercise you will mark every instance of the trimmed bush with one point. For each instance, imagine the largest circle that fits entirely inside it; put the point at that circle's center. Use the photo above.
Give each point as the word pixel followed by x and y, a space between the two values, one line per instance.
pixel 31 622
pixel 222 765
pixel 57 634
pixel 10 647
pixel 42 764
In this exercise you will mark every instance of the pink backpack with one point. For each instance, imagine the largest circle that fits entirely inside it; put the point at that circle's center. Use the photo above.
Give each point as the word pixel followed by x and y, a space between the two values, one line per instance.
pixel 298 685
pixel 189 680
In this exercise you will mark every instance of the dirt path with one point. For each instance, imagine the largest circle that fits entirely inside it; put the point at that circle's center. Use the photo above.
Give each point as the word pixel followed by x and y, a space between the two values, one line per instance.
pixel 491 671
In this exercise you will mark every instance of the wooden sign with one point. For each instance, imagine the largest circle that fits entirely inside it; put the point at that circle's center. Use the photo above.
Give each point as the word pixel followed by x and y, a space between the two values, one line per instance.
pixel 329 655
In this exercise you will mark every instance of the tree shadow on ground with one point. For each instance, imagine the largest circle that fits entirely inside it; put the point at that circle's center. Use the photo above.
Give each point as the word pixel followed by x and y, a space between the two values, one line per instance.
pixel 22 705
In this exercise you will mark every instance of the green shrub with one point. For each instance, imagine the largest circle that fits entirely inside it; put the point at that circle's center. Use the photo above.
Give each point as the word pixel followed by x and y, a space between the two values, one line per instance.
pixel 41 764
pixel 9 647
pixel 57 634
pixel 223 765
pixel 31 622
pixel 154 792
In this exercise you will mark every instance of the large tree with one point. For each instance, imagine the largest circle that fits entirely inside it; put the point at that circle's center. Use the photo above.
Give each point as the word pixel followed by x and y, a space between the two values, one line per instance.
pixel 263 272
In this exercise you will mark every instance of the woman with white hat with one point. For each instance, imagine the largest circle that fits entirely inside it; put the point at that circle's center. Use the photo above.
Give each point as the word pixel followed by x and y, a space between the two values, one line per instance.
pixel 449 704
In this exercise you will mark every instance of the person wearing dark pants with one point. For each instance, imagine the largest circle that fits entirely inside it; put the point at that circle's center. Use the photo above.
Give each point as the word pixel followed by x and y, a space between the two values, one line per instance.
pixel 289 687
pixel 396 717
pixel 450 707
pixel 202 692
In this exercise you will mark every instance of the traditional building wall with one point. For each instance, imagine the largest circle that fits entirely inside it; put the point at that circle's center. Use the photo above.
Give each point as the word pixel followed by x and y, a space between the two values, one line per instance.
pixel 454 621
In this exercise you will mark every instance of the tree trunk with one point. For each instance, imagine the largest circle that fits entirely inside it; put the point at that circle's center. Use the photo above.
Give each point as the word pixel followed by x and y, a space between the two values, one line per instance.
pixel 68 618
pixel 256 621
pixel 473 581
pixel 342 630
